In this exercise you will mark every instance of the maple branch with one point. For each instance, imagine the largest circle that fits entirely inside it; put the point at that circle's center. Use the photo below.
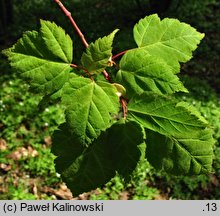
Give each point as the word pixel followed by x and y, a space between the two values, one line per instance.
pixel 68 14
pixel 119 54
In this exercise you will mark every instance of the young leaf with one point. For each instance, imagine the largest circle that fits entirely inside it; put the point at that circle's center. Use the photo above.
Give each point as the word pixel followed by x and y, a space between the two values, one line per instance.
pixel 164 115
pixel 121 91
pixel 141 72
pixel 97 55
pixel 168 39
pixel 98 163
pixel 43 58
pixel 181 155
pixel 90 106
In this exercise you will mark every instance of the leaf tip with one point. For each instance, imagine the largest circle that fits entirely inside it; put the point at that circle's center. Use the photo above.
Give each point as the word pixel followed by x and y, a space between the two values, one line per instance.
pixel 42 22
pixel 202 35
pixel 6 52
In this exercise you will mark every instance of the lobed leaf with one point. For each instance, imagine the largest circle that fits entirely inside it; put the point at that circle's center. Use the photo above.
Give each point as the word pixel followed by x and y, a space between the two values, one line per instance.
pixel 164 115
pixel 175 130
pixel 141 72
pixel 97 55
pixel 90 106
pixel 43 58
pixel 97 164
pixel 169 39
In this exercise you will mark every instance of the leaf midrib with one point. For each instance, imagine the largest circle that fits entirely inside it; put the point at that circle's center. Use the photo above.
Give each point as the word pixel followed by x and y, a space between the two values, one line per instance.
pixel 163 41
pixel 60 47
pixel 161 117
pixel 41 59
pixel 147 76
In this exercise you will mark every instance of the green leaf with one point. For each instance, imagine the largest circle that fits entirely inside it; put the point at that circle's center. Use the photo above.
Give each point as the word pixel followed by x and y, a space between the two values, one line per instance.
pixel 43 58
pixel 141 72
pixel 192 154
pixel 164 115
pixel 98 163
pixel 178 139
pixel 98 54
pixel 90 107
pixel 169 39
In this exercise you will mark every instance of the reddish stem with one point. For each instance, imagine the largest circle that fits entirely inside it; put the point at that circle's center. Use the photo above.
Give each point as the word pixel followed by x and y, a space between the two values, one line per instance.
pixel 124 106
pixel 106 75
pixel 74 65
pixel 68 14
pixel 119 54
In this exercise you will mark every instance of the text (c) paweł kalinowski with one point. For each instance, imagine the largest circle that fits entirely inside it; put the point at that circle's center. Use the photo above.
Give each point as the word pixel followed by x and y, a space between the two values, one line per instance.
pixel 96 207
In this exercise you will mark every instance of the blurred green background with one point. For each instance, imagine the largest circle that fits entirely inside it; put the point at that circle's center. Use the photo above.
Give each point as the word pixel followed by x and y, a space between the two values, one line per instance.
pixel 26 163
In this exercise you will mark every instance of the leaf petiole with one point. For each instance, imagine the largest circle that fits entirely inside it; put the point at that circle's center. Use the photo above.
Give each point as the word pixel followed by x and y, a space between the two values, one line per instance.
pixel 124 106
pixel 119 54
